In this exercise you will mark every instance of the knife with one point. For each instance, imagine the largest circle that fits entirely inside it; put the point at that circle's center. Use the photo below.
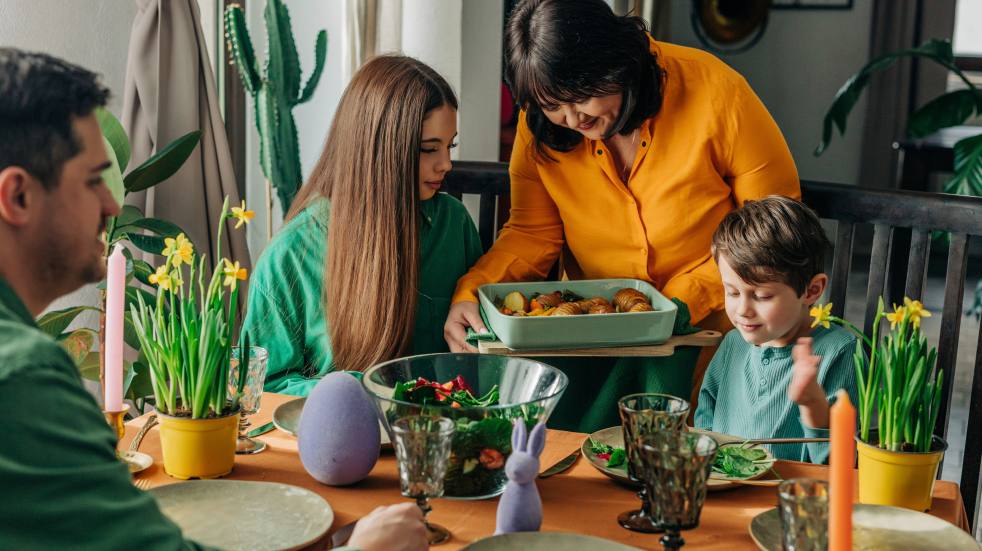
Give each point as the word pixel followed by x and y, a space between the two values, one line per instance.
pixel 340 537
pixel 562 465
pixel 261 430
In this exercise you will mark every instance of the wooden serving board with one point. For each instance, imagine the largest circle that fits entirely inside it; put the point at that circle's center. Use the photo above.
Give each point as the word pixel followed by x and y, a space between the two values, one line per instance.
pixel 702 338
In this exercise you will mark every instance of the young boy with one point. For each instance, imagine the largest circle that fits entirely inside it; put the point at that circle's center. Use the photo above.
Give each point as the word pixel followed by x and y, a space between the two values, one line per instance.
pixel 774 376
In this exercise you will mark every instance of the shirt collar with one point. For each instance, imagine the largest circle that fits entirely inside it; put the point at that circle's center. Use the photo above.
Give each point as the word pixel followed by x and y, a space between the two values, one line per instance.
pixel 12 305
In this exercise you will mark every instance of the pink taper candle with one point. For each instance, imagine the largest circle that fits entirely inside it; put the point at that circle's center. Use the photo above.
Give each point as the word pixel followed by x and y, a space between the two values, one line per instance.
pixel 842 473
pixel 113 347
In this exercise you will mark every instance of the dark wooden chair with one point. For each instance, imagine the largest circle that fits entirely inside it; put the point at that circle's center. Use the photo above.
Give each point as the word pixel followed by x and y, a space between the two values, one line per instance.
pixel 851 208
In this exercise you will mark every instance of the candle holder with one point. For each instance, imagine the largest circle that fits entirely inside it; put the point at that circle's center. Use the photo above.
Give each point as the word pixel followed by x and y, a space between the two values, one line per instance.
pixel 135 461
pixel 117 422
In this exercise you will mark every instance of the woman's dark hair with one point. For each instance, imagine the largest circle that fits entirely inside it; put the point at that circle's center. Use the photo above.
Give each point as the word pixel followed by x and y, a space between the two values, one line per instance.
pixel 566 51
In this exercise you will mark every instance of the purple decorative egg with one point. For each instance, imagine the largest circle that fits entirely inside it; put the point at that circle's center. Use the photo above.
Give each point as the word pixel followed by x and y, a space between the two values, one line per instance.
pixel 338 434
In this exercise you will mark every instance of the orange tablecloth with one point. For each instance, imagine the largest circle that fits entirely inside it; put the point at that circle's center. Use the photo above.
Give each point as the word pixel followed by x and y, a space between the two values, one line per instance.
pixel 579 500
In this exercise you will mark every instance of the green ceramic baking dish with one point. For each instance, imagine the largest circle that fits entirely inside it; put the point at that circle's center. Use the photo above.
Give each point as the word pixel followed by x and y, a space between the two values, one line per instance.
pixel 585 331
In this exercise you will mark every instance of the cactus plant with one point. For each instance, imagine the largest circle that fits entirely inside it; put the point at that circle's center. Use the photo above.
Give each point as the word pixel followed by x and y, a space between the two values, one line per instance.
pixel 275 92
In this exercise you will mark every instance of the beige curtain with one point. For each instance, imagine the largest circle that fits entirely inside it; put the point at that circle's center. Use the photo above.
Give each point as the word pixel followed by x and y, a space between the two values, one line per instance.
pixel 895 93
pixel 371 27
pixel 170 91
pixel 657 13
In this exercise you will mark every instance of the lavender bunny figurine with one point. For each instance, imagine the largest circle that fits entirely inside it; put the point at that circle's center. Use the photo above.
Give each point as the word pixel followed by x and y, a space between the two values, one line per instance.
pixel 520 508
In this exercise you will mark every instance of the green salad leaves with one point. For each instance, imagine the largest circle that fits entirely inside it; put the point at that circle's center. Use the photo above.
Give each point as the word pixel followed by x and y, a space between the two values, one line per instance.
pixel 615 456
pixel 739 462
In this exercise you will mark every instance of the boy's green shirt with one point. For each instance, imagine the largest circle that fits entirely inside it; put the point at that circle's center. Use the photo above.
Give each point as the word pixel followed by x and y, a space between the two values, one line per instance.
pixel 62 485
pixel 745 391
pixel 285 308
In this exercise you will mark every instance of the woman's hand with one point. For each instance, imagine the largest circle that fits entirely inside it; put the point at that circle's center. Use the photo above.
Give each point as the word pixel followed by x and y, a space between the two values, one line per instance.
pixel 462 315
pixel 393 528
pixel 804 389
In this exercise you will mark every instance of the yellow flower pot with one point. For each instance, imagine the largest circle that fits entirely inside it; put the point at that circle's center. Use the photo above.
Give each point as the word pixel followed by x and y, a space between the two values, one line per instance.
pixel 901 479
pixel 198 448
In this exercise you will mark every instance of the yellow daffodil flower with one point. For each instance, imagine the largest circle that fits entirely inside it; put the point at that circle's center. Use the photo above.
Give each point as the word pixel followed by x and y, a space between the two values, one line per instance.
pixel 162 279
pixel 178 250
pixel 916 311
pixel 897 316
pixel 242 215
pixel 822 315
pixel 232 272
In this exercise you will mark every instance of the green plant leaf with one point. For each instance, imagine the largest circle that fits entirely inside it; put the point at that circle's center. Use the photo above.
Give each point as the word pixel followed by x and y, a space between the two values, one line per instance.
pixel 127 215
pixel 88 368
pixel 129 332
pixel 967 179
pixel 138 384
pixel 54 323
pixel 112 176
pixel 943 111
pixel 132 292
pixel 847 96
pixel 148 243
pixel 160 227
pixel 78 344
pixel 114 133
pixel 163 164
pixel 142 271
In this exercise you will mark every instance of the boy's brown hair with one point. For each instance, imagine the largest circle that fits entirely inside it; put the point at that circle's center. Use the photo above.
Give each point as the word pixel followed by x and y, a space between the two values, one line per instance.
pixel 774 239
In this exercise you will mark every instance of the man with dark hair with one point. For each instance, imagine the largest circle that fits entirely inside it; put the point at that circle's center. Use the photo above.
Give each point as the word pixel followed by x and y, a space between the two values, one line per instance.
pixel 62 486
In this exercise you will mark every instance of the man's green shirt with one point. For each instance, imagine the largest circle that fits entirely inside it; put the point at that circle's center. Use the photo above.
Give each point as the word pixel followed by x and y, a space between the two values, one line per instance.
pixel 286 312
pixel 62 486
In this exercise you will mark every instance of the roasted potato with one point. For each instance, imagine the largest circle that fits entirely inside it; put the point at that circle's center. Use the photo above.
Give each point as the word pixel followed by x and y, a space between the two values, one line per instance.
pixel 641 307
pixel 568 309
pixel 516 302
pixel 626 298
pixel 601 309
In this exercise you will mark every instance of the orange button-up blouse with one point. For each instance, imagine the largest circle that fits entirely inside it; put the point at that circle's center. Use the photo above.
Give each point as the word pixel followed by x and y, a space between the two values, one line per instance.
pixel 712 147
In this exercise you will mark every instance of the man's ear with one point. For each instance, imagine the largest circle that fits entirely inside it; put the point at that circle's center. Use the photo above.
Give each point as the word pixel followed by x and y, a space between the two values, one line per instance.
pixel 815 288
pixel 18 190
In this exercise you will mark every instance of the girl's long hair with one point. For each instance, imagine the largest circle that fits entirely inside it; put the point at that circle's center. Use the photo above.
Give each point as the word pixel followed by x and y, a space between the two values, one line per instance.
pixel 369 171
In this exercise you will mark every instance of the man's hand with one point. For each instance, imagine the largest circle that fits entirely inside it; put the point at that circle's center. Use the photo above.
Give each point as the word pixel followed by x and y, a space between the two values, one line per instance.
pixel 392 528
pixel 462 315
pixel 804 389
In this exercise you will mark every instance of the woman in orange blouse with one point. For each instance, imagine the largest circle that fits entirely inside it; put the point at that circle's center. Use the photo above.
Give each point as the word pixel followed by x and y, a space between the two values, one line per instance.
pixel 629 152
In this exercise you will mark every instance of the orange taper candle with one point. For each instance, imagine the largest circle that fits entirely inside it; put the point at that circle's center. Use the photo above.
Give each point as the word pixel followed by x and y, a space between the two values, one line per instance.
pixel 842 474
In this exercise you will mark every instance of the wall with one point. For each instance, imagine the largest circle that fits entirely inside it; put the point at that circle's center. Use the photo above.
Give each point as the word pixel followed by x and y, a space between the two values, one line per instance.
pixel 803 59
pixel 94 34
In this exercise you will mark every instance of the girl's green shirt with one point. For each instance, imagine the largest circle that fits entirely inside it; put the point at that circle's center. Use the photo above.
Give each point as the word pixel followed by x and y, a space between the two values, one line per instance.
pixel 286 308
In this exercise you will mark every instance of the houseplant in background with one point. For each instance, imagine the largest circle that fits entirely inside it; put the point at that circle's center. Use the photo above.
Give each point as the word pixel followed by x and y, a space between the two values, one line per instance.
pixel 128 227
pixel 949 109
pixel 275 92
pixel 898 381
pixel 186 337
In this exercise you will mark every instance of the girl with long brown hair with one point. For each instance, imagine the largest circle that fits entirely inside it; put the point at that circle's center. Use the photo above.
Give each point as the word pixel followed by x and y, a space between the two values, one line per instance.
pixel 365 266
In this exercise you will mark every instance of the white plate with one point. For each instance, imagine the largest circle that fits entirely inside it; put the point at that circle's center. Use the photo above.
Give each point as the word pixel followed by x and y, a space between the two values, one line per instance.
pixel 879 527
pixel 547 541
pixel 241 515
pixel 614 436
pixel 286 417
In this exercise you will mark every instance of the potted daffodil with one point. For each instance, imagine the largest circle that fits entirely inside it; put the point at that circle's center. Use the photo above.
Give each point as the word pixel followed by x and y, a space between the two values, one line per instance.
pixel 186 336
pixel 900 390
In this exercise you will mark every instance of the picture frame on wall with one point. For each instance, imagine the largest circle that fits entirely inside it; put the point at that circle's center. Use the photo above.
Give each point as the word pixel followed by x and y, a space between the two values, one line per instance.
pixel 811 4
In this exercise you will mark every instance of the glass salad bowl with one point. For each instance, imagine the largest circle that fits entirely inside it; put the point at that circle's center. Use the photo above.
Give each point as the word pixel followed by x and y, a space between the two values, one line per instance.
pixel 483 394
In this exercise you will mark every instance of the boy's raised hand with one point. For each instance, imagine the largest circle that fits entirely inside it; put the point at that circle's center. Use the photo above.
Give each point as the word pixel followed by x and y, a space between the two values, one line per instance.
pixel 804 389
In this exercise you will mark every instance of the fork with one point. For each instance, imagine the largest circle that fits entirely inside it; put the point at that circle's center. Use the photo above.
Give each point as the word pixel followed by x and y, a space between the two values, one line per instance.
pixel 143 484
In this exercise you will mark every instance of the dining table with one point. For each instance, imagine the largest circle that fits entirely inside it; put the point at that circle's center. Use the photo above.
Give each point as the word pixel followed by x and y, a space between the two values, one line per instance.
pixel 580 499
